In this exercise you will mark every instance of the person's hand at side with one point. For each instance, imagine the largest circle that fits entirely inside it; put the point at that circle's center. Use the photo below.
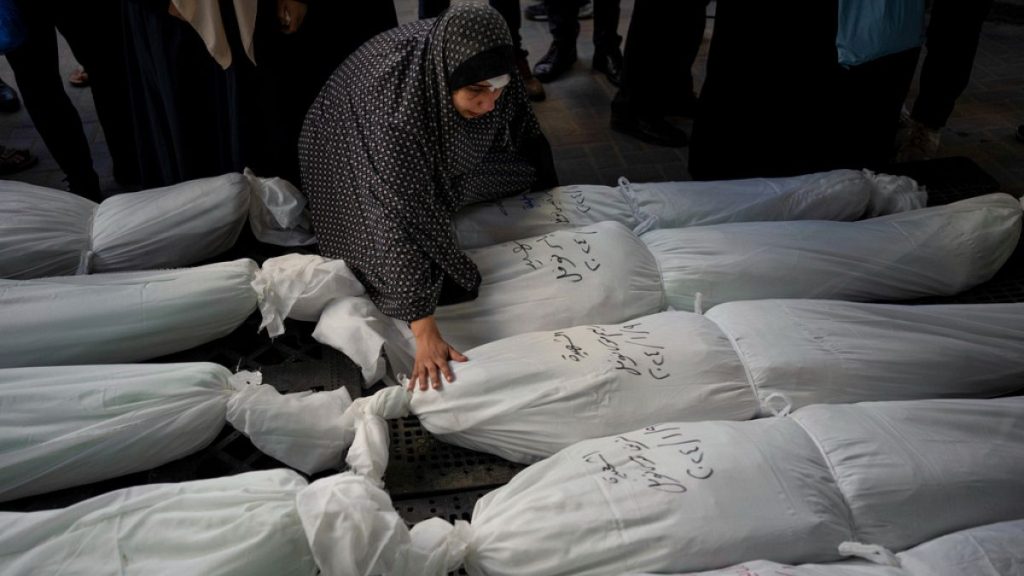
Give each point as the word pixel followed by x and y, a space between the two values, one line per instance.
pixel 432 355
pixel 290 13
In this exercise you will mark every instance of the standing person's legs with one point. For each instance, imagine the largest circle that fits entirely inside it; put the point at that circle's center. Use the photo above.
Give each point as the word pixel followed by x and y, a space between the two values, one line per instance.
pixel 35 64
pixel 607 55
pixel 563 21
pixel 656 76
pixel 93 31
pixel 952 42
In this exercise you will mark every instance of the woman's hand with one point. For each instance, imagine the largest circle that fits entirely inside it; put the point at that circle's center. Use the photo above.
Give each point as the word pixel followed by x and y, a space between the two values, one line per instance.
pixel 432 355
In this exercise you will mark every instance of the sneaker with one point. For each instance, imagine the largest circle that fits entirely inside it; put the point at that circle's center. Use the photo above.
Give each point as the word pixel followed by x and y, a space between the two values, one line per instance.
pixel 539 11
pixel 920 142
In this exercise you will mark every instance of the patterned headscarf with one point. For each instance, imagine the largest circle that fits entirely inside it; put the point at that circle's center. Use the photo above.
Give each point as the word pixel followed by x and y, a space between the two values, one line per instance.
pixel 387 159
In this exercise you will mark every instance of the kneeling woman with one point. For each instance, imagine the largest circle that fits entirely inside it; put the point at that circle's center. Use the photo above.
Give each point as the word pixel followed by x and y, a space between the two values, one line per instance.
pixel 419 122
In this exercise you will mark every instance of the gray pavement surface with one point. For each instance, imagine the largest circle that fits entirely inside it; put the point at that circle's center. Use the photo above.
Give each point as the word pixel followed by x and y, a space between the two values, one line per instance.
pixel 429 478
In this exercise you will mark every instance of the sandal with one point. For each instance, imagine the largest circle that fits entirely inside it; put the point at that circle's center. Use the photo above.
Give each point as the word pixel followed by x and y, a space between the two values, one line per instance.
pixel 15 160
pixel 79 78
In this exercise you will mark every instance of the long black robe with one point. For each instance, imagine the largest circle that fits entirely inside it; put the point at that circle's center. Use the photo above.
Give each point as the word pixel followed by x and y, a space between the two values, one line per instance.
pixel 386 159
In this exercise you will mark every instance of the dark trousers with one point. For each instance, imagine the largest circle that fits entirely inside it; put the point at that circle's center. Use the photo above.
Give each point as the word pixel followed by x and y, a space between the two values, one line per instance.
pixel 564 23
pixel 766 103
pixel 953 32
pixel 656 71
pixel 869 98
pixel 93 32
pixel 509 10
pixel 292 68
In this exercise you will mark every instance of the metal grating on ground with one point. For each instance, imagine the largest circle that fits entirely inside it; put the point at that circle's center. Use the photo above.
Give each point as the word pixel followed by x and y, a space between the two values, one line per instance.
pixel 420 464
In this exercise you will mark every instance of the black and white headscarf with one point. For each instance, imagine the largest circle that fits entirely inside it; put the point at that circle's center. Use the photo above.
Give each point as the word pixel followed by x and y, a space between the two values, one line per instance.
pixel 387 159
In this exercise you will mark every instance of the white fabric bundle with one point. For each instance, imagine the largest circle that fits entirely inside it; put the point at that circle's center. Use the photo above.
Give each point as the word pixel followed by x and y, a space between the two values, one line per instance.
pixel 600 273
pixel 666 497
pixel 801 352
pixel 769 568
pixel 299 286
pixel 244 524
pixel 538 213
pixel 696 496
pixel 835 195
pixel 912 471
pixel 527 396
pixel 990 550
pixel 121 317
pixel 71 425
pixel 52 233
pixel 933 251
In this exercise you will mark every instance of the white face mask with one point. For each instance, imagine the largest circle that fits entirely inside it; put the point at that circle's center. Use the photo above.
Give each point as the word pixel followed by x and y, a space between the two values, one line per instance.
pixel 498 82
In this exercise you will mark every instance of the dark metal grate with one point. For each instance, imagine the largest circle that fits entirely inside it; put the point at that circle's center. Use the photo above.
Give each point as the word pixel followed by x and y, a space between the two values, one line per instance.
pixel 420 464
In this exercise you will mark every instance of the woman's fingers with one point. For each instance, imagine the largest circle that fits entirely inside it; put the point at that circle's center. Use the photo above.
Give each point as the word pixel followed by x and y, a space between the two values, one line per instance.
pixel 432 365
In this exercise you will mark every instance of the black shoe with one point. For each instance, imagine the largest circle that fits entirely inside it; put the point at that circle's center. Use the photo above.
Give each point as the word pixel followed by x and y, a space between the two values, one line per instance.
pixel 610 63
pixel 534 89
pixel 9 101
pixel 1020 132
pixel 653 130
pixel 555 63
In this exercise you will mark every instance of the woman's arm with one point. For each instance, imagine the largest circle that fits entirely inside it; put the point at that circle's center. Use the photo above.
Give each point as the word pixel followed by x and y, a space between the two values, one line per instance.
pixel 432 355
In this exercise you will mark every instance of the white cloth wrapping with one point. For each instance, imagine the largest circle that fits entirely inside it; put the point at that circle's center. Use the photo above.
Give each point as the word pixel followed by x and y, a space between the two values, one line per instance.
pixel 667 497
pixel 538 213
pixel 912 471
pixel 121 317
pixel 600 273
pixel 680 497
pixel 169 227
pixel 300 286
pixel 71 425
pixel 244 524
pixel 990 550
pixel 45 232
pixel 933 251
pixel 805 352
pixel 835 195
pixel 769 568
pixel 528 396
